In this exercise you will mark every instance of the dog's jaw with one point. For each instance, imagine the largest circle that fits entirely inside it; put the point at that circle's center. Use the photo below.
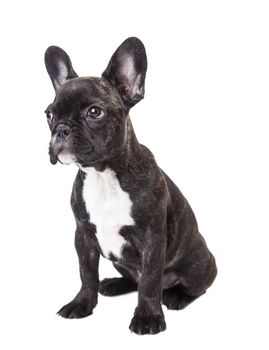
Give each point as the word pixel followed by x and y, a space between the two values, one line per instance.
pixel 65 157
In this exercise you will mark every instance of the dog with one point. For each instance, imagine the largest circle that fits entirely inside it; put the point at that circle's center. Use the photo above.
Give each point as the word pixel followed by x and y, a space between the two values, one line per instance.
pixel 126 208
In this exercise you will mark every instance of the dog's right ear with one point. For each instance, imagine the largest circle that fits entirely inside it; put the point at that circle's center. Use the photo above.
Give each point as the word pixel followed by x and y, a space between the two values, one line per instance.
pixel 59 66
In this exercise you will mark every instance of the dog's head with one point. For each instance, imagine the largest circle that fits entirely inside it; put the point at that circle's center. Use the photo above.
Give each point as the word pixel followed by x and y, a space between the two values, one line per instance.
pixel 88 116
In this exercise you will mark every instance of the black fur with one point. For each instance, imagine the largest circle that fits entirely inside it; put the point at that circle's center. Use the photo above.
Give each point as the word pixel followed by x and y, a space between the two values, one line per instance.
pixel 167 259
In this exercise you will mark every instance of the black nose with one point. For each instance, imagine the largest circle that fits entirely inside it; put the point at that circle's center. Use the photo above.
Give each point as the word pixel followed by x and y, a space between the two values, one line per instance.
pixel 62 132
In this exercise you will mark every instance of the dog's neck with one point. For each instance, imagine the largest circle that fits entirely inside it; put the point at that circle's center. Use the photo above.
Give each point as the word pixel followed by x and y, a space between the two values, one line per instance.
pixel 128 156
pixel 132 146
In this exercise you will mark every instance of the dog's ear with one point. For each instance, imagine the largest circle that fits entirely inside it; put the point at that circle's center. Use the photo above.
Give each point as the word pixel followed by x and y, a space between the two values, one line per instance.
pixel 59 66
pixel 126 71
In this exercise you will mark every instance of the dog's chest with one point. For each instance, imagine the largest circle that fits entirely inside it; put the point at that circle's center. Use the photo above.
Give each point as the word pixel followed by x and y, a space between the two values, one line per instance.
pixel 109 208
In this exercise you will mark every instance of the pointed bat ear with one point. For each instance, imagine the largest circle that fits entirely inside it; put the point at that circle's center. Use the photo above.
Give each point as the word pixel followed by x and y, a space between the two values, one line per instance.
pixel 59 66
pixel 126 71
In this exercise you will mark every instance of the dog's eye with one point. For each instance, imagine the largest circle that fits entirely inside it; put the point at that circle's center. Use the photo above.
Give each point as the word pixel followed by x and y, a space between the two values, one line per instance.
pixel 50 116
pixel 95 112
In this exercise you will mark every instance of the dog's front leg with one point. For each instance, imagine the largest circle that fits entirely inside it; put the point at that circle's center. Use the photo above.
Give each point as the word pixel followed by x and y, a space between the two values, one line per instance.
pixel 148 317
pixel 86 299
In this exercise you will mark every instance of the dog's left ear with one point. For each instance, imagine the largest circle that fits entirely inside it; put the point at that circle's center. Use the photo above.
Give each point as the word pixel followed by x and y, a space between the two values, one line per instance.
pixel 126 71
pixel 59 66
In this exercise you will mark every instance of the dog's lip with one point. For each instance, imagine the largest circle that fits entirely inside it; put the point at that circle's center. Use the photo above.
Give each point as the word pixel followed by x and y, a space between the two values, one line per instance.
pixel 53 158
pixel 54 151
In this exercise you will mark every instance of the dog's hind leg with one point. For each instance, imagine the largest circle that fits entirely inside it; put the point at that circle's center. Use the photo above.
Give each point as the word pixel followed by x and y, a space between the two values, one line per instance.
pixel 195 274
pixel 118 285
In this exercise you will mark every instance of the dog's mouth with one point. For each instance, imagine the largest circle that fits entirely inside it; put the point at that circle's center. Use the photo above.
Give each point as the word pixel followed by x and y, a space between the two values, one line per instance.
pixel 65 157
pixel 61 153
pixel 65 153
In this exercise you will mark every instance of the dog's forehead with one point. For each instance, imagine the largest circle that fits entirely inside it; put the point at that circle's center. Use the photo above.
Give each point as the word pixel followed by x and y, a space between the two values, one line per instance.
pixel 78 89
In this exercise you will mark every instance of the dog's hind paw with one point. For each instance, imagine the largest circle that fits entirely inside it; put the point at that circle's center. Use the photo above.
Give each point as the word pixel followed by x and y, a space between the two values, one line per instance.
pixel 116 286
pixel 175 299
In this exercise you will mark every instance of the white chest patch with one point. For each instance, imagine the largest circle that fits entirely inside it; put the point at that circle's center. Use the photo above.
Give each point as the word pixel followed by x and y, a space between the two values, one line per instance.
pixel 109 208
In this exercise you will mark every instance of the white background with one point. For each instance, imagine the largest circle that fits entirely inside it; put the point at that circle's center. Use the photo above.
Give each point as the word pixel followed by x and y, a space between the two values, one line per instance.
pixel 205 117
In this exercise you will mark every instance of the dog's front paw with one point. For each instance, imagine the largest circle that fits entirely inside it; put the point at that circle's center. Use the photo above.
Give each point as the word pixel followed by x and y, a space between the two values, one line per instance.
pixel 147 324
pixel 77 308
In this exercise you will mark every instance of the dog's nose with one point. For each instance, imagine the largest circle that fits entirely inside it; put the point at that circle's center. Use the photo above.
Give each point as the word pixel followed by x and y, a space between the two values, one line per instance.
pixel 62 132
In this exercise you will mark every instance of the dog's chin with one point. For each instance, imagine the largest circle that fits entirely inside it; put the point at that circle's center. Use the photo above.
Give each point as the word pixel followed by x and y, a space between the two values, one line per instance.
pixel 65 157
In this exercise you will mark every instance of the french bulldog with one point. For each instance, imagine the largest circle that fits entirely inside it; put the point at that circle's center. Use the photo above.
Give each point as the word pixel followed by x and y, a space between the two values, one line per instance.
pixel 126 208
